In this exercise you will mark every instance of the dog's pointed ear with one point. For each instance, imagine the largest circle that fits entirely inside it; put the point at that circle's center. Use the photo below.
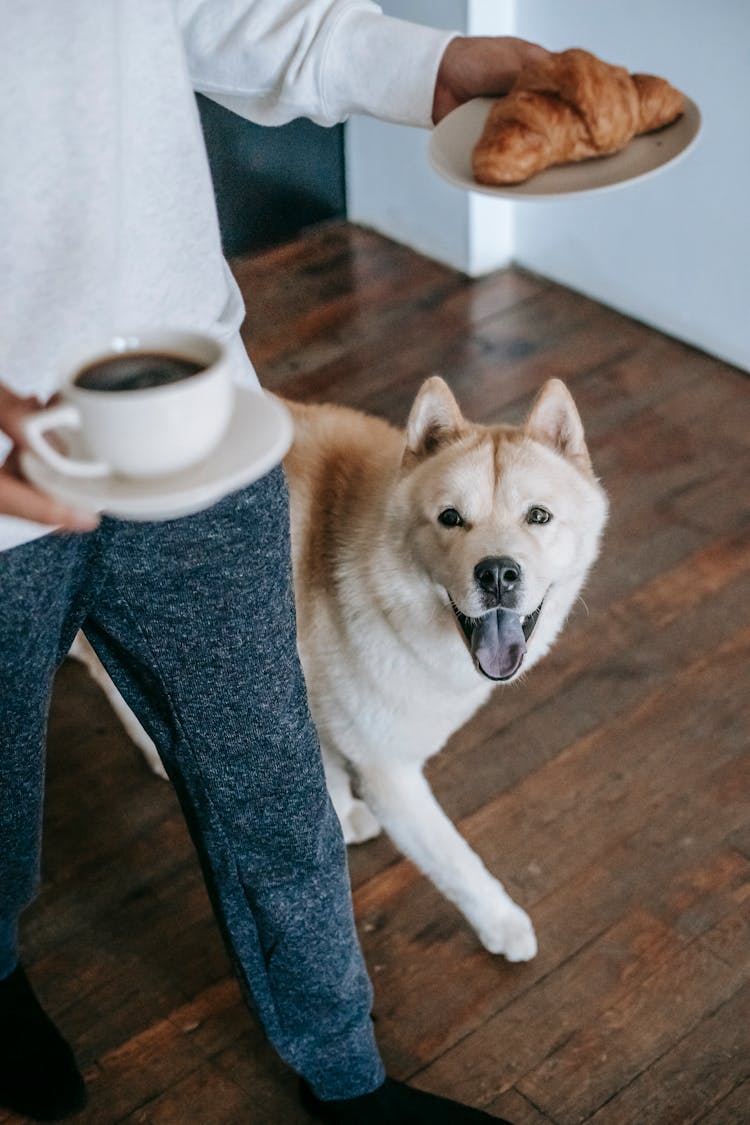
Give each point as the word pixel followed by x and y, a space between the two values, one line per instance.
pixel 554 420
pixel 435 420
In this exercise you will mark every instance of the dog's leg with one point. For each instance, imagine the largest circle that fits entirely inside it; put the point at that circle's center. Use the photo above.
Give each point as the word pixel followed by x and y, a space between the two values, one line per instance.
pixel 82 650
pixel 357 822
pixel 407 809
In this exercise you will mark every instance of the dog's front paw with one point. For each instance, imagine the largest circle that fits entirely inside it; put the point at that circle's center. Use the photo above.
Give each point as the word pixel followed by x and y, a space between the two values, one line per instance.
pixel 509 932
pixel 358 823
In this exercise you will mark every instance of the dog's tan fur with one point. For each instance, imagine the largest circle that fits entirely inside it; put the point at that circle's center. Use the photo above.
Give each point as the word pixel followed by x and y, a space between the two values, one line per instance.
pixel 389 671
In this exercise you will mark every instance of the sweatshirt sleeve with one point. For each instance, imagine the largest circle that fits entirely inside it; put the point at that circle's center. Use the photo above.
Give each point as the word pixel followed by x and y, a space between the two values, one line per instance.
pixel 274 60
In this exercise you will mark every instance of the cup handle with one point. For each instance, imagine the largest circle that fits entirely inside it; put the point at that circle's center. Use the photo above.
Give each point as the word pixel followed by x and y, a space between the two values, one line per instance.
pixel 36 425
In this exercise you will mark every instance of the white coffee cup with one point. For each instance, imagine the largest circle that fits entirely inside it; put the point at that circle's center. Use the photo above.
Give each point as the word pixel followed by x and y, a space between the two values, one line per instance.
pixel 148 432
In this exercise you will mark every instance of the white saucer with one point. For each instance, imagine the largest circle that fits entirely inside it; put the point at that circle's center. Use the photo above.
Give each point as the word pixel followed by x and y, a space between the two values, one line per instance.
pixel 452 142
pixel 259 435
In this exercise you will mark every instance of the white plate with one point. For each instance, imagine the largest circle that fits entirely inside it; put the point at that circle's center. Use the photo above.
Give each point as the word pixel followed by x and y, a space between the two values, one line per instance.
pixel 259 435
pixel 453 140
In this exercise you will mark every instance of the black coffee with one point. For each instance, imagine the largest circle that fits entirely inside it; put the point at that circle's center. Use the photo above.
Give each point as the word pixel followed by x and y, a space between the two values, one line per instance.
pixel 136 371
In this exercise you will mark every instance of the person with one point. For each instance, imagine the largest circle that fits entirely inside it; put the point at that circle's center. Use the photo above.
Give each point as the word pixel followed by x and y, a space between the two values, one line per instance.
pixel 109 222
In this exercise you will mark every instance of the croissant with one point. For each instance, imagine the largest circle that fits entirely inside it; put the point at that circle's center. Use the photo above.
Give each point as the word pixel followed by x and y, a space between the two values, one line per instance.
pixel 570 107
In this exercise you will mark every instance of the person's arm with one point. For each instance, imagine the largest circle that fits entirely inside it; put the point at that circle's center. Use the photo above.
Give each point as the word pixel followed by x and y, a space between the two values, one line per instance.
pixel 17 496
pixel 274 60
pixel 329 59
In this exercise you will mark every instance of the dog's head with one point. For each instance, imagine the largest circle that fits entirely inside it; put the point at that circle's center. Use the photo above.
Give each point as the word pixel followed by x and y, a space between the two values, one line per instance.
pixel 504 520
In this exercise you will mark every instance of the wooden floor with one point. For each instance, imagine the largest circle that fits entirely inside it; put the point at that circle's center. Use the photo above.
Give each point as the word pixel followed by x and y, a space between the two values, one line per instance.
pixel 610 792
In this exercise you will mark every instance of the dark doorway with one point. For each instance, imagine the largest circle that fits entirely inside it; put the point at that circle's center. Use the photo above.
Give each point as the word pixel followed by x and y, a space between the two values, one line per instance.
pixel 271 183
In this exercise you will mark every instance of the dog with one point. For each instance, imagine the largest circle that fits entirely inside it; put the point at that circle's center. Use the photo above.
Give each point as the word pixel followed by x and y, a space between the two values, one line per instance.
pixel 429 566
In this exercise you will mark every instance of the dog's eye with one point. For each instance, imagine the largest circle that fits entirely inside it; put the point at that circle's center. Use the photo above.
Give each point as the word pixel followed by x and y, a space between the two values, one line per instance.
pixel 450 518
pixel 537 514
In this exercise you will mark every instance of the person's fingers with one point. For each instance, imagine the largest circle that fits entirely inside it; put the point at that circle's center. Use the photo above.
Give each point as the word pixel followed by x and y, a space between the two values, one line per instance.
pixel 17 498
pixel 13 410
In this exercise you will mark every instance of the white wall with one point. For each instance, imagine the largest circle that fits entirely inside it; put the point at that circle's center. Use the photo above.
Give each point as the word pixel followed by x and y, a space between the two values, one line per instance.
pixel 673 251
pixel 390 184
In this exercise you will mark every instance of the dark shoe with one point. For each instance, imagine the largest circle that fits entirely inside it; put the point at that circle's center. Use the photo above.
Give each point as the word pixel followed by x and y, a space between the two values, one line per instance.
pixel 39 1077
pixel 393 1103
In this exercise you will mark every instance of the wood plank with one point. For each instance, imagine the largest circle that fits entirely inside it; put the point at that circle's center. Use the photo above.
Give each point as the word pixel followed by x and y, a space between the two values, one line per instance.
pixel 204 1095
pixel 732 1110
pixel 637 1030
pixel 716 1055
pixel 347 286
pixel 513 1106
pixel 137 1071
pixel 596 957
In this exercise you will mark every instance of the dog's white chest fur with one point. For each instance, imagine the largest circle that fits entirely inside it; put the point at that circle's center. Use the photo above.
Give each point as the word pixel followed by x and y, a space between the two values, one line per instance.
pixel 375 691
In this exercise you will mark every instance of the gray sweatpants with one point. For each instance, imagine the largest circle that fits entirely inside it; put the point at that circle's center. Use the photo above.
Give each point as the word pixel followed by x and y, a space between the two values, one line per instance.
pixel 194 621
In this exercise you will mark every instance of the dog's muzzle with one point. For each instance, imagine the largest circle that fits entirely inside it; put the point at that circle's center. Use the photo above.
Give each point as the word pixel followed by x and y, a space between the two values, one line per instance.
pixel 497 640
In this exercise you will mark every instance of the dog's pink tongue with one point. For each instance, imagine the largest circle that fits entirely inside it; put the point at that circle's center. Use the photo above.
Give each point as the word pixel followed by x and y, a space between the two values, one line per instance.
pixel 498 644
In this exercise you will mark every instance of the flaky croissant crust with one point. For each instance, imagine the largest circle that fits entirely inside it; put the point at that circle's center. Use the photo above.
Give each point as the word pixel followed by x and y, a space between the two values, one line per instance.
pixel 570 107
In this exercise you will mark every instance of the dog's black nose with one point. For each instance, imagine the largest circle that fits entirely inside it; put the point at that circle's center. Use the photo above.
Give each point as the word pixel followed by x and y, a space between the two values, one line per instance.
pixel 498 576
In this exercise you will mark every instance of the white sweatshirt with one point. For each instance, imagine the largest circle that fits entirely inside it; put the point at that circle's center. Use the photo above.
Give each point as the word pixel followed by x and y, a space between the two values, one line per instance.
pixel 107 213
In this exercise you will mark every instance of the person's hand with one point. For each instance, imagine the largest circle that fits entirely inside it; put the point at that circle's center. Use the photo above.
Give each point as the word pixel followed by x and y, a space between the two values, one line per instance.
pixel 477 66
pixel 17 496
